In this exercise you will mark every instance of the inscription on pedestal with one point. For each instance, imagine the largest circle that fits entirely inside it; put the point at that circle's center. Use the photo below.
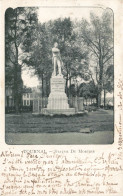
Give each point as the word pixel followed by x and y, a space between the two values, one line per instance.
pixel 57 85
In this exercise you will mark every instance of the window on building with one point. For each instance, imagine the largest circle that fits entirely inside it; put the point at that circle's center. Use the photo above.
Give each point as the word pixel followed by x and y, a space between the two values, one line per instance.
pixel 24 102
pixel 27 95
pixel 27 102
pixel 31 102
pixel 31 95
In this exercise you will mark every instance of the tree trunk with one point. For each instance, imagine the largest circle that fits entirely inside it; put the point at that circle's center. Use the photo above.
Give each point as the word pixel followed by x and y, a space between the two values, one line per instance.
pixel 86 101
pixel 104 98
pixel 42 94
pixel 97 100
pixel 18 86
pixel 66 86
pixel 42 78
pixel 16 79
pixel 47 87
pixel 100 79
pixel 70 87
pixel 16 97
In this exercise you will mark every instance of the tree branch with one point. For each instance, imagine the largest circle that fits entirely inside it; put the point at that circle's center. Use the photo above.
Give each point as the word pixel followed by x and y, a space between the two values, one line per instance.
pixel 11 60
pixel 94 51
pixel 12 52
pixel 91 77
pixel 107 59
pixel 100 51
pixel 91 42
pixel 96 76
pixel 12 34
pixel 107 52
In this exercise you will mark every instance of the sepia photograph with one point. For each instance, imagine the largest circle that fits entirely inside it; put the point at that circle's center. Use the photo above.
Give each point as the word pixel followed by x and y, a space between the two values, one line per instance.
pixel 61 103
pixel 59 75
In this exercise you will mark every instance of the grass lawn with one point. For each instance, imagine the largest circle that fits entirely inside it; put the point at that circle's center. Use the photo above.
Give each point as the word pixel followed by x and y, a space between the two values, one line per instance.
pixel 101 120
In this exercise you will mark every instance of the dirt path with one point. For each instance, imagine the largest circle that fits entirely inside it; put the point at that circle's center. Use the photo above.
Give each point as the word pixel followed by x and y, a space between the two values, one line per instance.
pixel 104 137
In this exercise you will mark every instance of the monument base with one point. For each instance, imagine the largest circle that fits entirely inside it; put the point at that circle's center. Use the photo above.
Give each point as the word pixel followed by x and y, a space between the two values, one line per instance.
pixel 69 111
pixel 58 100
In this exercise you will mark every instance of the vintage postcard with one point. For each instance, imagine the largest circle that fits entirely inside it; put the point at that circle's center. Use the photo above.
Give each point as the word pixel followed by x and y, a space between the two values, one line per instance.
pixel 61 98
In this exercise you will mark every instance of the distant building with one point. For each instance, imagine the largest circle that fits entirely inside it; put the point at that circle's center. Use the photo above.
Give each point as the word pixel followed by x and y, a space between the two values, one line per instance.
pixel 27 99
pixel 30 94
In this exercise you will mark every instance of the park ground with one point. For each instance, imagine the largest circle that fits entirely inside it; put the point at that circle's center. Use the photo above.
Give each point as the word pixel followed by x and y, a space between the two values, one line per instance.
pixel 91 128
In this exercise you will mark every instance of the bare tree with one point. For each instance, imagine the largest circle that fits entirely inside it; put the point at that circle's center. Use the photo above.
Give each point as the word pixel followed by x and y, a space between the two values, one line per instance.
pixel 98 38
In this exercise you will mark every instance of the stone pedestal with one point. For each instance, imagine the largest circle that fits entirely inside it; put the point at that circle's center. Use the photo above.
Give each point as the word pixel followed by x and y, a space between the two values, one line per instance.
pixel 58 100
pixel 80 104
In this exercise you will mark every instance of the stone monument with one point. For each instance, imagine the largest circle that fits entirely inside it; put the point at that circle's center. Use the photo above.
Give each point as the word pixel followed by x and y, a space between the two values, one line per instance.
pixel 58 100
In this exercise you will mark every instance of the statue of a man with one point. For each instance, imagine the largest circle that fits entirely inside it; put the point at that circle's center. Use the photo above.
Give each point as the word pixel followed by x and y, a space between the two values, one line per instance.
pixel 56 59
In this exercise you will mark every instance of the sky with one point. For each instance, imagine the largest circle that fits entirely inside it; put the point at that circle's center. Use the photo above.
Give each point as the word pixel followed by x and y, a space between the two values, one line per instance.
pixel 45 14
pixel 29 78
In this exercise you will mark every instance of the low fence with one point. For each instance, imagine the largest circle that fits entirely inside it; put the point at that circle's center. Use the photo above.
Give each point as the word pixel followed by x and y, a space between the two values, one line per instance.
pixel 74 102
pixel 22 109
pixel 78 103
pixel 71 100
